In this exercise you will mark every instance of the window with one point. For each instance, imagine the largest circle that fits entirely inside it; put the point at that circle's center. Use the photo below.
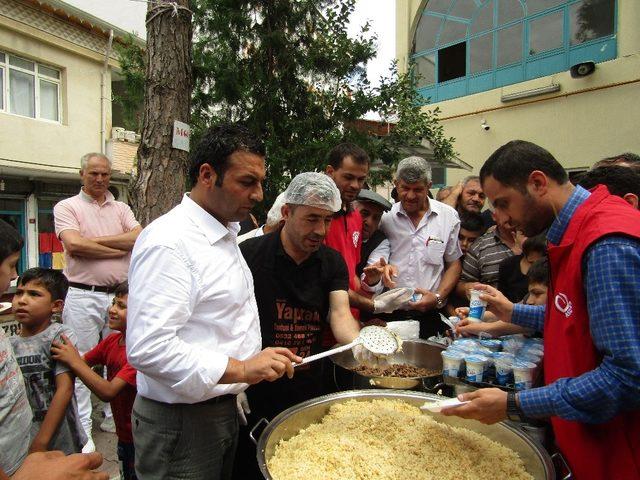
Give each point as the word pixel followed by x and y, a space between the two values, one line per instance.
pixel 468 46
pixel 29 89
pixel 451 62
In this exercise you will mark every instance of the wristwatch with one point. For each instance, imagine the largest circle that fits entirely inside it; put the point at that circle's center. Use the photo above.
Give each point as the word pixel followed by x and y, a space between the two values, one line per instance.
pixel 439 300
pixel 514 413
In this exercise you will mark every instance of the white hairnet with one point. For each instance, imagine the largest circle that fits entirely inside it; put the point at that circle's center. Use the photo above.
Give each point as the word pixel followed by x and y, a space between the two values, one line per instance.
pixel 275 212
pixel 314 190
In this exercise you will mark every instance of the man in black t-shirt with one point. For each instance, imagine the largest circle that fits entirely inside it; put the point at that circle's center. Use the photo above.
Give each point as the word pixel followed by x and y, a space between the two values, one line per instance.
pixel 299 282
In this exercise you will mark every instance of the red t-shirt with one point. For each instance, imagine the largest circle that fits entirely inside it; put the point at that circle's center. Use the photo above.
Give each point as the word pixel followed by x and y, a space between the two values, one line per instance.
pixel 110 353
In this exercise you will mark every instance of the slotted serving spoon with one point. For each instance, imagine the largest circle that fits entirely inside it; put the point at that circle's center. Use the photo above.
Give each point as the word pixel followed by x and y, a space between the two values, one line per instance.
pixel 378 340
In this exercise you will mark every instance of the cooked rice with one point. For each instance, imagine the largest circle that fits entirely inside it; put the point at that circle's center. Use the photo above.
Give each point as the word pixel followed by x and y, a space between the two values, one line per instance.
pixel 387 440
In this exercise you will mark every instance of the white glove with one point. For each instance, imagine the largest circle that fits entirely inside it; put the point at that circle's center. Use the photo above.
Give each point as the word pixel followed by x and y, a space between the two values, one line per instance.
pixel 367 358
pixel 242 404
pixel 392 300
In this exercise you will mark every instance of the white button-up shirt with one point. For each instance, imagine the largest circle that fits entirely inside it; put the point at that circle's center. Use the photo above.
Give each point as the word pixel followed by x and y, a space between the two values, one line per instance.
pixel 191 306
pixel 421 252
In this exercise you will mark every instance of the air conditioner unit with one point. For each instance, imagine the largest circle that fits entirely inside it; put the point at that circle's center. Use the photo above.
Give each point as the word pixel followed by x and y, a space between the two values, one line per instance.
pixel 117 133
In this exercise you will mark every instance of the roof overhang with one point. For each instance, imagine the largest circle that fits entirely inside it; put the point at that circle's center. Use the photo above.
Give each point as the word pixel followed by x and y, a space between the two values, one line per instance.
pixel 82 19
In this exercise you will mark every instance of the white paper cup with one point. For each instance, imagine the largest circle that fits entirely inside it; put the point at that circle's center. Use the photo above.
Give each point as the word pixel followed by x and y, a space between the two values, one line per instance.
pixel 477 307
pixel 523 374
pixel 451 363
pixel 475 368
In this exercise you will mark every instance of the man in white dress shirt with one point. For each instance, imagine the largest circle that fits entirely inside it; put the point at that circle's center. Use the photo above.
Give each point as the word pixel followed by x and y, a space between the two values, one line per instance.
pixel 425 253
pixel 193 332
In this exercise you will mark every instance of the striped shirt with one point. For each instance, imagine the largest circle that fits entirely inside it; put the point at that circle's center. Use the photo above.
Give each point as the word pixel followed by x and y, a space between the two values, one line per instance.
pixel 611 273
pixel 482 261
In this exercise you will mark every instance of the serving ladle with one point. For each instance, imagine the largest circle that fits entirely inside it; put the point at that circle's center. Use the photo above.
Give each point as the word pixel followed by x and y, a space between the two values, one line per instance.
pixel 378 340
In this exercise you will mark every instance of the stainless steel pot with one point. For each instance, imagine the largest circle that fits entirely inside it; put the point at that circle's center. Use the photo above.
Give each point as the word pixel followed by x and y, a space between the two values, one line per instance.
pixel 418 353
pixel 536 460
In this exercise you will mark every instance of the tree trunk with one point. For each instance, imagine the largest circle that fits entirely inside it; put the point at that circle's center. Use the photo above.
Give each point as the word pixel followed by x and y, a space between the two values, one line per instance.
pixel 162 170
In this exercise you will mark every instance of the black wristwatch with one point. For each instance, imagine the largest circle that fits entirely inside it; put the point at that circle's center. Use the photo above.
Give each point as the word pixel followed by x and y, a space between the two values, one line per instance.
pixel 513 410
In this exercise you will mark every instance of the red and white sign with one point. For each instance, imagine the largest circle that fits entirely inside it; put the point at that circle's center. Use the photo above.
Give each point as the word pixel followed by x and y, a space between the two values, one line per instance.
pixel 181 135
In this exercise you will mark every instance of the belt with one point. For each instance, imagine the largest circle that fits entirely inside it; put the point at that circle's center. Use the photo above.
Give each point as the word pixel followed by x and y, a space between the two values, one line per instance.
pixel 93 288
pixel 219 399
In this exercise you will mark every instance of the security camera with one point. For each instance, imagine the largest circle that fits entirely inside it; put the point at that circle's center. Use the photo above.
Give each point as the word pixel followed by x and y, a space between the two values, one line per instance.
pixel 484 125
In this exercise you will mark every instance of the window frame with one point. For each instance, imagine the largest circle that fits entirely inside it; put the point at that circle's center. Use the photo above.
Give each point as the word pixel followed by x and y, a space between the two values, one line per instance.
pixel 527 68
pixel 6 67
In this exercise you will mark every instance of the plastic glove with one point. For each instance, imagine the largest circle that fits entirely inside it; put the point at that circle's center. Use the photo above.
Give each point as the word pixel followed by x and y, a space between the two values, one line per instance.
pixel 242 404
pixel 367 358
pixel 392 300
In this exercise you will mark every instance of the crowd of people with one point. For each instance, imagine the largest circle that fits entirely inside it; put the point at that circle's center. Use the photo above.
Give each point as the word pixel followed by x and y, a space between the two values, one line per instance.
pixel 200 327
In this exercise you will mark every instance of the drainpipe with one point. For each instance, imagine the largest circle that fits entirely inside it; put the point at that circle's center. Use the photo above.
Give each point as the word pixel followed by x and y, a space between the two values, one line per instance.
pixel 103 96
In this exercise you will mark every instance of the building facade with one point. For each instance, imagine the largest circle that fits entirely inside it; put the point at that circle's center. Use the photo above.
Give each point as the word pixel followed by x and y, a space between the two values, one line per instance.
pixel 57 65
pixel 523 69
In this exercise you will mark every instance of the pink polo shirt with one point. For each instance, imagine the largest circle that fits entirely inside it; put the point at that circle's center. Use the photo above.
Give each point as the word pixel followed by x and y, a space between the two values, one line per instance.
pixel 83 214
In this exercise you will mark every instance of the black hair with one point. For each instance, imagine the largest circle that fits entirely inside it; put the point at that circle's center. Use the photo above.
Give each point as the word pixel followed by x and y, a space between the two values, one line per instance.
pixel 53 280
pixel 472 221
pixel 630 159
pixel 512 163
pixel 539 272
pixel 217 144
pixel 10 241
pixel 122 289
pixel 537 243
pixel 619 180
pixel 343 150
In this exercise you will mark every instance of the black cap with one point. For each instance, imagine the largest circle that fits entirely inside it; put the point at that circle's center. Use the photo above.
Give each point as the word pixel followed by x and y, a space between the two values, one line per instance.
pixel 373 197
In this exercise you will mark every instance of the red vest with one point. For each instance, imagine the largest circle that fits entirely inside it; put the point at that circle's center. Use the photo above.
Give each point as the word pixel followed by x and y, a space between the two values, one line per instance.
pixel 609 450
pixel 345 236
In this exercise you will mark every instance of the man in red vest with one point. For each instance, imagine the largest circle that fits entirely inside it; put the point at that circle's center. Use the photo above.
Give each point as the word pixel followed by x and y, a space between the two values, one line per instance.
pixel 591 321
pixel 348 166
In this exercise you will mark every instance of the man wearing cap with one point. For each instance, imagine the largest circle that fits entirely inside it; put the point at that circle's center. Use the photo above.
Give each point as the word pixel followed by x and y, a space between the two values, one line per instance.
pixel 375 244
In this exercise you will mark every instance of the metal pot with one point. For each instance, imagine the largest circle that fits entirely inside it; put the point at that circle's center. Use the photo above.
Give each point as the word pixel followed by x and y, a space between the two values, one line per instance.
pixel 536 460
pixel 418 353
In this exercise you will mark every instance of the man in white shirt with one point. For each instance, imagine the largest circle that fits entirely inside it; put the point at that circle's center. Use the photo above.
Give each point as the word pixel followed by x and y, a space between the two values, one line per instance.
pixel 193 332
pixel 425 253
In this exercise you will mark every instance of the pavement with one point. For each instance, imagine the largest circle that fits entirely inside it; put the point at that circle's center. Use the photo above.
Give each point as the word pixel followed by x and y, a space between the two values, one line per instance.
pixel 106 443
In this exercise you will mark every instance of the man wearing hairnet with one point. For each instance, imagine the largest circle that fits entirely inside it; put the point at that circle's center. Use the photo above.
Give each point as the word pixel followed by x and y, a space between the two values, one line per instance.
pixel 299 282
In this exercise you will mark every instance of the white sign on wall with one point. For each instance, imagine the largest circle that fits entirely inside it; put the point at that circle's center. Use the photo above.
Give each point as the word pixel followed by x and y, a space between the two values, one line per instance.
pixel 181 135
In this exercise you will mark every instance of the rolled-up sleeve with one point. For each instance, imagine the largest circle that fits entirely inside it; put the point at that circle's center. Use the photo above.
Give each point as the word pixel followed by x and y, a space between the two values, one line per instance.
pixel 453 251
pixel 162 293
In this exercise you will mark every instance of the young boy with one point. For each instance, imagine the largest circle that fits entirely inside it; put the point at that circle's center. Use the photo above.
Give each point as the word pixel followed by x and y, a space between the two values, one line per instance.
pixel 39 294
pixel 120 386
pixel 538 278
